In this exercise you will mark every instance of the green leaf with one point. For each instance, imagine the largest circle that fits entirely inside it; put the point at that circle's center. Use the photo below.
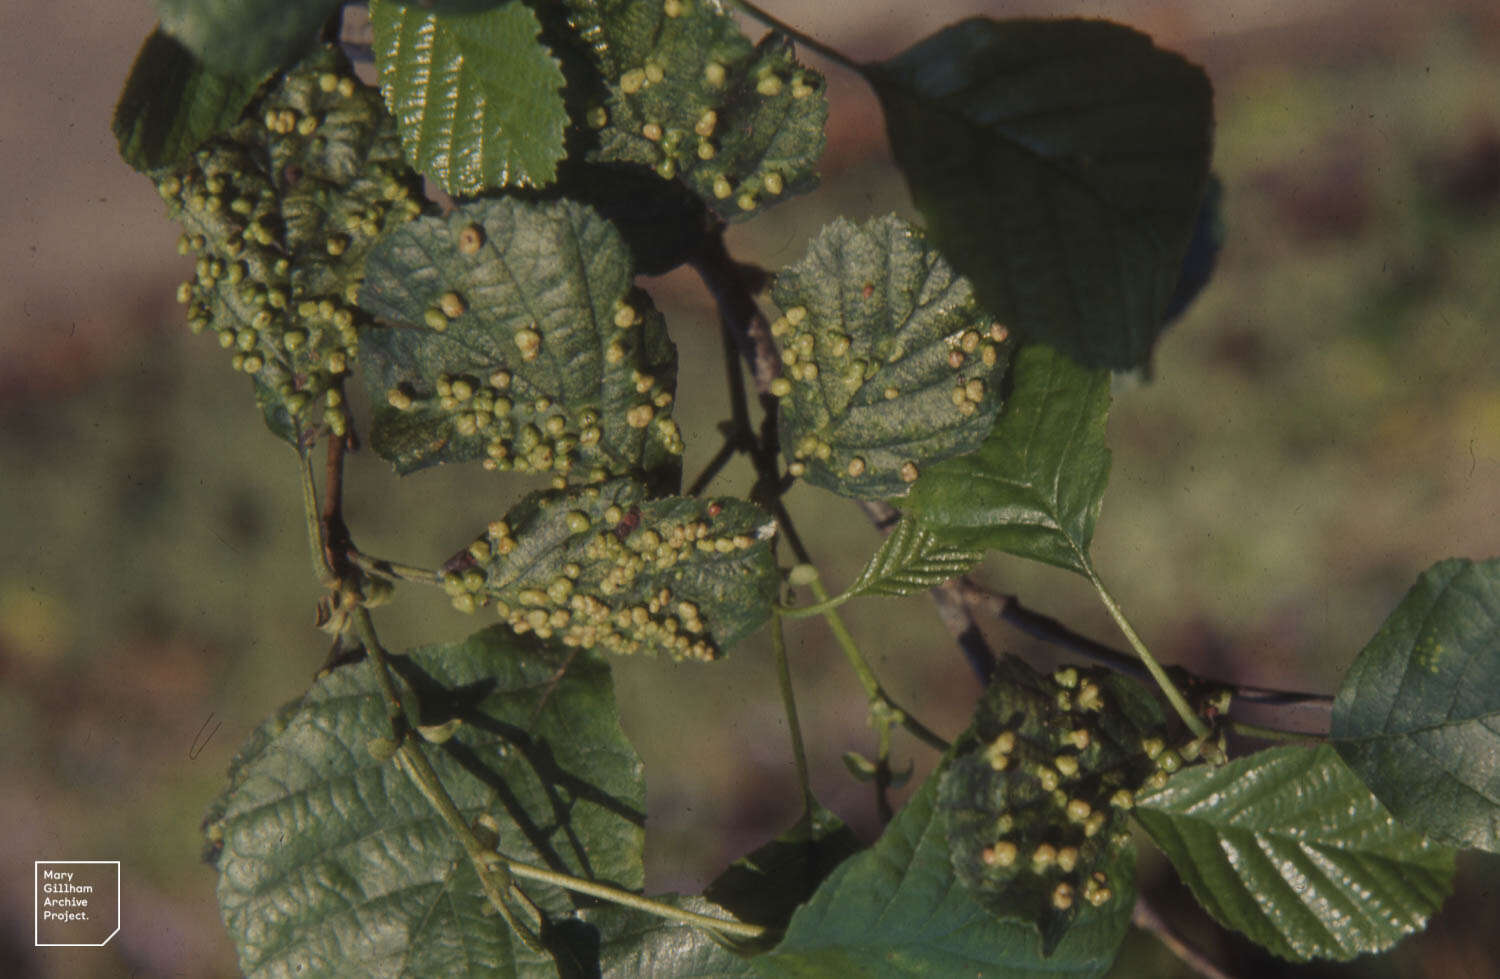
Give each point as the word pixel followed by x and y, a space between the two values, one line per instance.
pixel 890 363
pixel 1035 485
pixel 604 567
pixel 690 97
pixel 550 361
pixel 661 220
pixel 1037 789
pixel 912 559
pixel 898 910
pixel 172 103
pixel 626 944
pixel 766 886
pixel 1288 847
pixel 245 38
pixel 478 95
pixel 1418 714
pixel 1060 165
pixel 332 861
pixel 281 210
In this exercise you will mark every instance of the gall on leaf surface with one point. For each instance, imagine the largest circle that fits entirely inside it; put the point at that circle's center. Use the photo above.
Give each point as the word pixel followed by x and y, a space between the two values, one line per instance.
pixel 889 364
pixel 1060 165
pixel 1418 714
pixel 281 211
pixel 1290 848
pixel 607 568
pixel 897 909
pixel 1037 791
pixel 477 94
pixel 331 861
pixel 245 38
pixel 1035 486
pixel 513 335
pixel 689 96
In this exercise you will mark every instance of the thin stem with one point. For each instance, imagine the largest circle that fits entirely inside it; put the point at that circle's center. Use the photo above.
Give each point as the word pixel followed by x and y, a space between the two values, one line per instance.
pixel 313 517
pixel 739 929
pixel 811 43
pixel 1168 688
pixel 808 611
pixel 1147 918
pixel 335 532
pixel 1263 733
pixel 393 569
pixel 789 704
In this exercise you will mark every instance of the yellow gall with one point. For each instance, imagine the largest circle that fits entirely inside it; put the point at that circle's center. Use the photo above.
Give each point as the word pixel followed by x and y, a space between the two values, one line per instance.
pixel 470 239
pixel 528 342
pixel 773 183
pixel 796 469
pixel 1067 859
pixel 796 315
pixel 909 472
pixel 651 131
pixel 451 304
pixel 722 187
pixel 891 394
pixel 706 150
pixel 955 359
pixel 781 387
pixel 1079 810
pixel 998 333
pixel 969 342
pixel 856 467
pixel 1067 765
pixel 632 80
pixel 654 73
pixel 1002 854
pixel 1044 856
pixel 597 117
pixel 988 356
pixel 706 123
pixel 672 8
pixel 714 73
pixel 624 316
pixel 769 85
pixel 640 416
pixel 435 320
pixel 500 380
pixel 746 202
pixel 328 81
pixel 974 390
pixel 346 87
pixel 1062 896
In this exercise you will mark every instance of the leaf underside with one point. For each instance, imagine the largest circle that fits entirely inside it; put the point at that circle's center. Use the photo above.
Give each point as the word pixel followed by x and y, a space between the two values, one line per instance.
pixel 1418 714
pixel 890 365
pixel 1288 847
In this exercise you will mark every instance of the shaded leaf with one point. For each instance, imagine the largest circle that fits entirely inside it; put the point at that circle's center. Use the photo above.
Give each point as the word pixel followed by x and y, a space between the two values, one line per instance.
pixel 626 944
pixel 1288 847
pixel 606 568
pixel 661 221
pixel 172 103
pixel 890 363
pixel 1036 793
pixel 1060 165
pixel 478 95
pixel 898 910
pixel 766 886
pixel 245 38
pixel 912 559
pixel 550 361
pixel 1418 714
pixel 1035 486
pixel 332 860
pixel 690 97
pixel 281 210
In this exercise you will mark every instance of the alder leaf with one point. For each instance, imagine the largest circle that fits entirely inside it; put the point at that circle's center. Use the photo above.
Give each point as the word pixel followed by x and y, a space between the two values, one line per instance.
pixel 245 38
pixel 1037 790
pixel 333 862
pixel 912 559
pixel 1418 714
pixel 690 97
pixel 605 567
pixel 1035 486
pixel 890 365
pixel 478 95
pixel 898 910
pixel 281 211
pixel 1288 847
pixel 623 943
pixel 515 336
pixel 1060 165
pixel 172 103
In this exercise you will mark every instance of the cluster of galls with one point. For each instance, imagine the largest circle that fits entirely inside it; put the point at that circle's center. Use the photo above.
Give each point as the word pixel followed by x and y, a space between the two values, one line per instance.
pixel 822 360
pixel 523 429
pixel 605 578
pixel 673 123
pixel 280 211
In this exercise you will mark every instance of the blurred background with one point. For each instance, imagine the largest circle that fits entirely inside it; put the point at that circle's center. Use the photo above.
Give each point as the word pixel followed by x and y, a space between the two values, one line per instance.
pixel 1322 425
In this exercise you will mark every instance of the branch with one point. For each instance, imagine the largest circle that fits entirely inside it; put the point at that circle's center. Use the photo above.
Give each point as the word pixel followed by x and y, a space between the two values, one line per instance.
pixel 1147 918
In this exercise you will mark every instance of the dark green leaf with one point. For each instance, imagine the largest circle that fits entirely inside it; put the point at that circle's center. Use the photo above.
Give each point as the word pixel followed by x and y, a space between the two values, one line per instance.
pixel 630 944
pixel 171 104
pixel 1060 165
pixel 333 862
pixel 765 887
pixel 478 95
pixel 912 559
pixel 661 220
pixel 690 97
pixel 246 38
pixel 1418 714
pixel 890 364
pixel 1037 789
pixel 550 361
pixel 1035 486
pixel 897 910
pixel 604 567
pixel 1288 847
pixel 282 209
